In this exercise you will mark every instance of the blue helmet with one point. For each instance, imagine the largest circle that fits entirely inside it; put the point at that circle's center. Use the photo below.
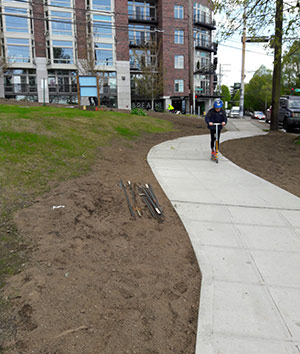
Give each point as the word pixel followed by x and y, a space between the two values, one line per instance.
pixel 218 104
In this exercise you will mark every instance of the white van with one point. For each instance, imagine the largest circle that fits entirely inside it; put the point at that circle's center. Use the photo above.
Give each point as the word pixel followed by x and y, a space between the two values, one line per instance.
pixel 235 112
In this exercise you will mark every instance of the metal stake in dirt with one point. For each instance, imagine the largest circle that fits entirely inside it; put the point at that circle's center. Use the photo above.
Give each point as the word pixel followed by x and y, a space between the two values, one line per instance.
pixel 136 208
pixel 127 198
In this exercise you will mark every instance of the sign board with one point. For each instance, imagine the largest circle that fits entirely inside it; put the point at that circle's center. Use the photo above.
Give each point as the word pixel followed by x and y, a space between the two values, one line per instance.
pixel 88 86
pixel 297 90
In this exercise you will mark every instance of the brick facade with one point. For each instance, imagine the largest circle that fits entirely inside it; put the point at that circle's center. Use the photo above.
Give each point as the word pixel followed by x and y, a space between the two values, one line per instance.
pixel 80 15
pixel 121 21
pixel 39 29
pixel 168 24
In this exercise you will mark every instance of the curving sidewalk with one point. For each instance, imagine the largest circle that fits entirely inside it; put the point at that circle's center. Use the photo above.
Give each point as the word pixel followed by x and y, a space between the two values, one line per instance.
pixel 245 233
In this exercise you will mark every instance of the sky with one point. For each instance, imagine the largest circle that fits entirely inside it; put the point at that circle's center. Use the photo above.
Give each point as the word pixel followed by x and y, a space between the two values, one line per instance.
pixel 230 58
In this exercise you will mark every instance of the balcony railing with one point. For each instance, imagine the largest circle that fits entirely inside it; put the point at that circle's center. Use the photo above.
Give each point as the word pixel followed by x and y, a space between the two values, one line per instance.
pixel 59 89
pixel 204 91
pixel 141 17
pixel 204 44
pixel 24 89
pixel 205 69
pixel 204 20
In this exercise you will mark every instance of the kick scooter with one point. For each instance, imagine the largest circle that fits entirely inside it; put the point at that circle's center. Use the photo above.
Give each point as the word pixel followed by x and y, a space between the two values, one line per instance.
pixel 215 156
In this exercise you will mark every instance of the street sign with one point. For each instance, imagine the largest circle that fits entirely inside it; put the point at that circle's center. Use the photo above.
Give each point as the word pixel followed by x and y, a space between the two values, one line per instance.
pixel 297 90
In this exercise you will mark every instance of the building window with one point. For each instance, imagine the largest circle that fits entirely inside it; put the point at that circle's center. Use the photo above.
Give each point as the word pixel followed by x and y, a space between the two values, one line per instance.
pixel 102 26
pixel 61 23
pixel 141 10
pixel 18 50
pixel 141 34
pixel 20 84
pixel 62 3
pixel 179 86
pixel 104 54
pixel 104 5
pixel 202 14
pixel 178 12
pixel 202 38
pixel 202 59
pixel 62 52
pixel 178 61
pixel 16 23
pixel 202 84
pixel 179 37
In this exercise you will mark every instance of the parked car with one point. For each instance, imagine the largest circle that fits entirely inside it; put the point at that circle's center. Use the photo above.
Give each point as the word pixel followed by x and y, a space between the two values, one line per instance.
pixel 235 112
pixel 258 115
pixel 289 112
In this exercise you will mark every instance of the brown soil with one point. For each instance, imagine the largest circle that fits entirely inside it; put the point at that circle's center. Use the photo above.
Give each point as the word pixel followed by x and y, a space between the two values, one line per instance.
pixel 275 157
pixel 100 281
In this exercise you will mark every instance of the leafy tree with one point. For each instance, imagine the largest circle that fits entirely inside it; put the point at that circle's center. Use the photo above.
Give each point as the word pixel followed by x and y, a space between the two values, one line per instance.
pixel 236 98
pixel 263 17
pixel 291 69
pixel 258 93
pixel 225 93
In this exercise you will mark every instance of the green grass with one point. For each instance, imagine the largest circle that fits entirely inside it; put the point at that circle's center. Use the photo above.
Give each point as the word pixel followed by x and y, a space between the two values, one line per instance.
pixel 41 146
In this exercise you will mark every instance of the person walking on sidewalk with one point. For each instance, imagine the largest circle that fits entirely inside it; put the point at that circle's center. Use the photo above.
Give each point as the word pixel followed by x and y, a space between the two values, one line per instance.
pixel 215 115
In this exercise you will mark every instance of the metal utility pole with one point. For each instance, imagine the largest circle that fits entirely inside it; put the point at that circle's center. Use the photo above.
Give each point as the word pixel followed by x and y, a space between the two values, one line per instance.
pixel 243 65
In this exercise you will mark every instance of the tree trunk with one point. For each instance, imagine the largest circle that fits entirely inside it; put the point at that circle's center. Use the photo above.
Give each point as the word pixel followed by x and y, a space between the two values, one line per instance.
pixel 277 65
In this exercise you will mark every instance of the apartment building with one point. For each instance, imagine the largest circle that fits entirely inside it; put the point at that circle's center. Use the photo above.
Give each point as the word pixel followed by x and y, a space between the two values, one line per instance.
pixel 46 44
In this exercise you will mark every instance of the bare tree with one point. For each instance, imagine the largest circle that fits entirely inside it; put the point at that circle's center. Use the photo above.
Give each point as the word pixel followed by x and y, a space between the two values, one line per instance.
pixel 148 80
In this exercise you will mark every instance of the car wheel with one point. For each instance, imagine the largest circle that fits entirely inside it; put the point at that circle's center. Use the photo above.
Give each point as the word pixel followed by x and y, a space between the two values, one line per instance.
pixel 286 126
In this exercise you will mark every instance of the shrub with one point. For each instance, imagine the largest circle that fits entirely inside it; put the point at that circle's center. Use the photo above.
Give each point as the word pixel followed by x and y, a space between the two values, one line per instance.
pixel 138 112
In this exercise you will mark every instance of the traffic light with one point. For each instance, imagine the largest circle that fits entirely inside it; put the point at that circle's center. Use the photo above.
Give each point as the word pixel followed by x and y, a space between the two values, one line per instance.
pixel 292 90
pixel 196 96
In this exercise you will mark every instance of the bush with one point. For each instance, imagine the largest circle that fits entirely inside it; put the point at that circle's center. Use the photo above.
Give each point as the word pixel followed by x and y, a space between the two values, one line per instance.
pixel 138 112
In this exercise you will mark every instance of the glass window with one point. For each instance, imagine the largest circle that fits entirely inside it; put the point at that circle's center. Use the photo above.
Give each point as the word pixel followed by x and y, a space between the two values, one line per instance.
pixel 141 10
pixel 179 86
pixel 64 3
pixel 18 50
pixel 202 14
pixel 179 62
pixel 16 23
pixel 62 23
pixel 62 52
pixel 104 54
pixel 140 34
pixel 101 5
pixel 102 26
pixel 179 37
pixel 178 11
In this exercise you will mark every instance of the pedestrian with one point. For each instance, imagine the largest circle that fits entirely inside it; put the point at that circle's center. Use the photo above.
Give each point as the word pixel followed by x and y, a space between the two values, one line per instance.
pixel 215 115
pixel 170 108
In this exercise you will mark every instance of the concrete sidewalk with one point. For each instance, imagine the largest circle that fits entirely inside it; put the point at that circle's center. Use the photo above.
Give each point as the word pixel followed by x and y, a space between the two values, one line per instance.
pixel 246 235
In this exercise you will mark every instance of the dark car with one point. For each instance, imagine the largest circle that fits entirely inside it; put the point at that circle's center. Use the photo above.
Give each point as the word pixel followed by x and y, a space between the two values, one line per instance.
pixel 289 112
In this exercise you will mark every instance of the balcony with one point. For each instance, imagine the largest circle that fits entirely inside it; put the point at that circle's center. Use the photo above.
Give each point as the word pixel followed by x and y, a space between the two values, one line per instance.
pixel 206 45
pixel 205 69
pixel 141 18
pixel 202 91
pixel 205 21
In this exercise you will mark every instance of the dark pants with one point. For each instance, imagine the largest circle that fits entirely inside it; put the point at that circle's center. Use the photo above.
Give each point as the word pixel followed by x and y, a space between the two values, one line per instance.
pixel 213 137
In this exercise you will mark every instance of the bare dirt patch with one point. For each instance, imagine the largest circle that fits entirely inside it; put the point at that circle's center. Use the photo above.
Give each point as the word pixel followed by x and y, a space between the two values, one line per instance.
pixel 98 280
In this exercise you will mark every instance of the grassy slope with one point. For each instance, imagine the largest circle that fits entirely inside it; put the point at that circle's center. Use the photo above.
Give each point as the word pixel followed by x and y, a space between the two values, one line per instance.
pixel 40 146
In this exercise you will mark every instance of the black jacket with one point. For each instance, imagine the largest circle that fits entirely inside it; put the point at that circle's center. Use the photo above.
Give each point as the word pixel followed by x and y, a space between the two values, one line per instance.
pixel 215 117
